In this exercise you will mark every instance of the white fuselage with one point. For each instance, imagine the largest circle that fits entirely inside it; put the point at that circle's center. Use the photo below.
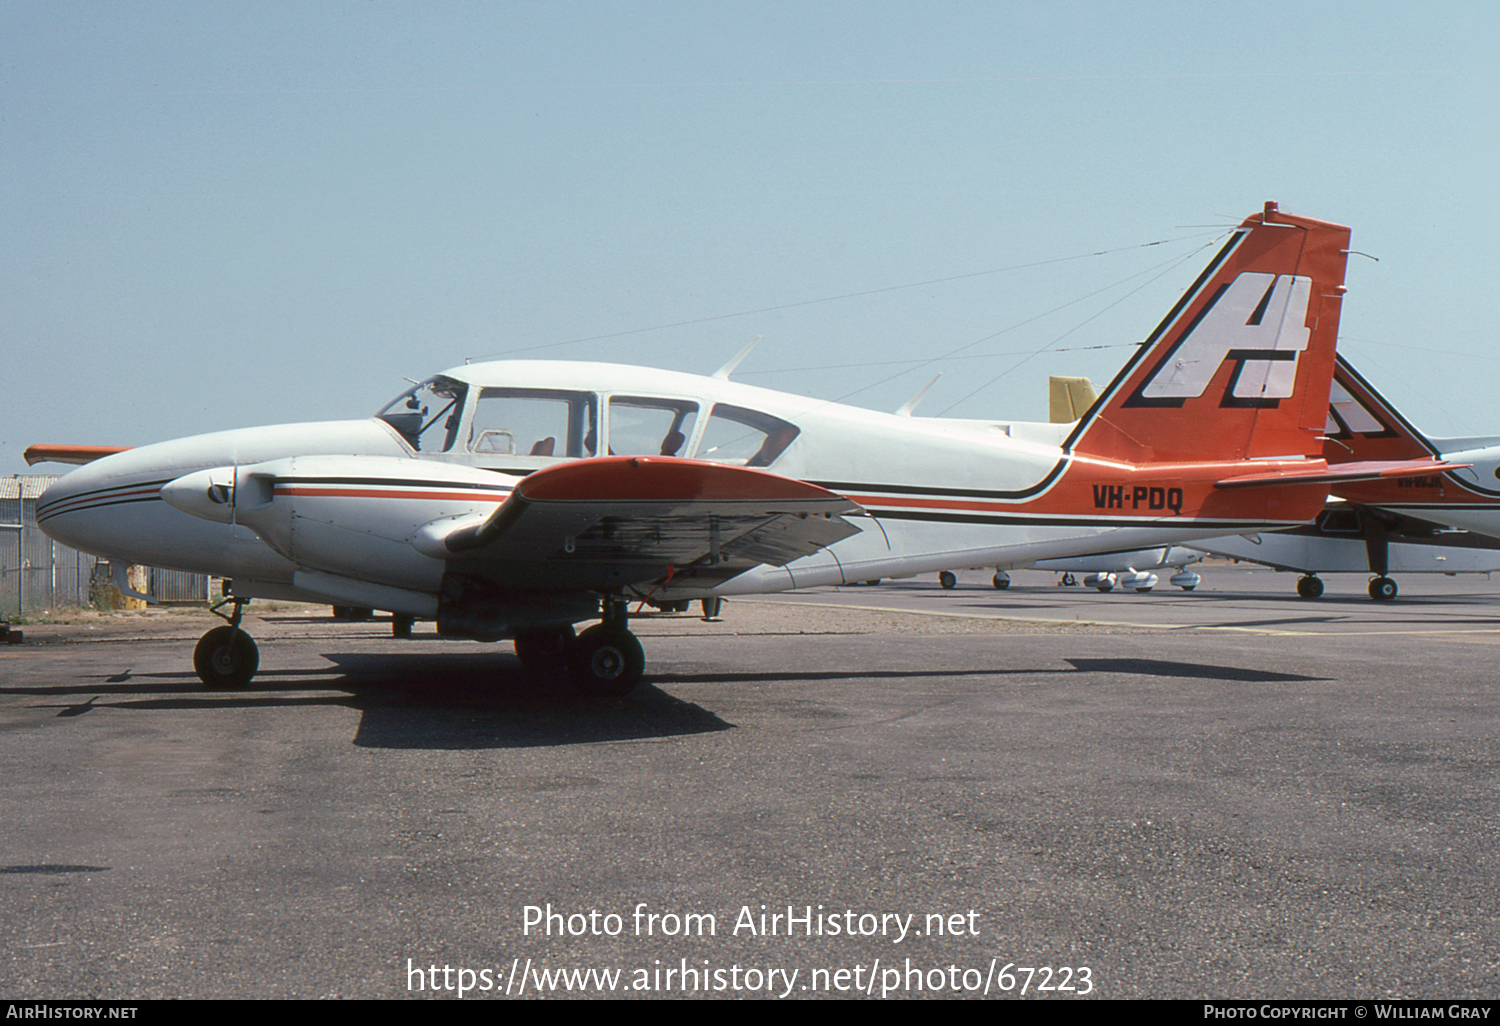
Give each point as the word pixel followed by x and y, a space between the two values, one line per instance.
pixel 1479 510
pixel 939 494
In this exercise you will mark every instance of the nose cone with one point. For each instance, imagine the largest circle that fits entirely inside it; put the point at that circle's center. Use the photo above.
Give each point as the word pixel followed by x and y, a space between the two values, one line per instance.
pixel 114 506
pixel 82 509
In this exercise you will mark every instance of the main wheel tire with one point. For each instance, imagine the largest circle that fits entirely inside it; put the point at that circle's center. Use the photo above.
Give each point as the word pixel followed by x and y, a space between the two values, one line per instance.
pixel 545 650
pixel 226 657
pixel 948 580
pixel 606 661
pixel 1382 589
pixel 1001 580
pixel 1309 587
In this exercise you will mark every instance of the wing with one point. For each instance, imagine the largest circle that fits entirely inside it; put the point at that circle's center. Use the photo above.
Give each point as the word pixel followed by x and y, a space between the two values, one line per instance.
pixel 77 454
pixel 617 521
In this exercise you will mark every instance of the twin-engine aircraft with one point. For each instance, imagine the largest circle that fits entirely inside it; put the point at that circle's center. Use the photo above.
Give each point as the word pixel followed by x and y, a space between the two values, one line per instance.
pixel 518 499
pixel 1403 523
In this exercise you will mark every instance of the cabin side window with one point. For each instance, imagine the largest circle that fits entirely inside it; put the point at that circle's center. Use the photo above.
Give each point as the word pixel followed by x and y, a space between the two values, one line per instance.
pixel 650 427
pixel 1339 520
pixel 746 438
pixel 533 422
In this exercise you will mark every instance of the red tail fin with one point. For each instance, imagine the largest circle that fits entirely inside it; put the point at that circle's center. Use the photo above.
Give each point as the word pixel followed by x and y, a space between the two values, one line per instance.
pixel 1362 425
pixel 1241 367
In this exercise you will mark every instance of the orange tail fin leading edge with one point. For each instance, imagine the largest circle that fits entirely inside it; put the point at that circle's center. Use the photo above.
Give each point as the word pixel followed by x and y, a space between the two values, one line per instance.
pixel 1241 366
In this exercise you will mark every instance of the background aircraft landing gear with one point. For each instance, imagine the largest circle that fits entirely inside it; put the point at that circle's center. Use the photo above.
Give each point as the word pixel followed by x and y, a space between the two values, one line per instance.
pixel 948 580
pixel 1001 580
pixel 1309 587
pixel 1382 589
pixel 226 657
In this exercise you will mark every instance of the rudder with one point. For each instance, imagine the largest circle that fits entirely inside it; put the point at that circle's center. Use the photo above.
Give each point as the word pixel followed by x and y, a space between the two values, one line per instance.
pixel 1241 366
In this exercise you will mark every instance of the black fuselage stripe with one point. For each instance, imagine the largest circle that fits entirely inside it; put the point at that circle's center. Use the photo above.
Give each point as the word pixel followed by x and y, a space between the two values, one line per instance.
pixel 101 504
pixel 100 493
pixel 844 487
pixel 393 482
pixel 1220 526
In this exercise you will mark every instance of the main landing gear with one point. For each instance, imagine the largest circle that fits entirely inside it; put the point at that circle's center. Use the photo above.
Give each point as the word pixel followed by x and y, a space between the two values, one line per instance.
pixel 226 657
pixel 606 659
pixel 1382 588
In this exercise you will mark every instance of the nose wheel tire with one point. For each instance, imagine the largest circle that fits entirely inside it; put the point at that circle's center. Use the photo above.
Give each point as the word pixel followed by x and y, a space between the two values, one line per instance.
pixel 226 657
pixel 606 660
pixel 1382 589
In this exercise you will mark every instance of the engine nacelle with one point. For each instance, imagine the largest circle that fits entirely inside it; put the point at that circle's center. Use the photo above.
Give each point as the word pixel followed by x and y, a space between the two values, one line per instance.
pixel 355 517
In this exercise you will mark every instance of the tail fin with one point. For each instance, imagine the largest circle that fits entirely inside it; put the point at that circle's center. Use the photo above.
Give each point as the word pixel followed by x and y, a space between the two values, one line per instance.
pixel 1241 366
pixel 1363 425
pixel 1068 398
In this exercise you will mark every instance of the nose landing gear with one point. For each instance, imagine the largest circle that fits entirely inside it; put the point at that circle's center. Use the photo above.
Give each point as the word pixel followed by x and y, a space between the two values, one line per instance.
pixel 226 657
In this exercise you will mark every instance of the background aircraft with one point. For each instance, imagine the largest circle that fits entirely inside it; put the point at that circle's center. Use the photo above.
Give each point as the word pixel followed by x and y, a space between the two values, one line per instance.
pixel 1134 570
pixel 1446 522
pixel 516 499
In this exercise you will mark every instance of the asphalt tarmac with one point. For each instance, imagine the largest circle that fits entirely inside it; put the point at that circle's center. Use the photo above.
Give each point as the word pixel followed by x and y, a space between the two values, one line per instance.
pixel 891 791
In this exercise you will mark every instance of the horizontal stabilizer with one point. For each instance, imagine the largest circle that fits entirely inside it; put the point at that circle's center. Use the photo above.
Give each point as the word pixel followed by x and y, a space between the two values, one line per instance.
pixel 1341 472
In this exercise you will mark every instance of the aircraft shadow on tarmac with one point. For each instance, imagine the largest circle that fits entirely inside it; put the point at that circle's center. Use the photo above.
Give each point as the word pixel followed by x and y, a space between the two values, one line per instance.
pixel 1200 671
pixel 52 869
pixel 467 701
pixel 423 700
pixel 473 700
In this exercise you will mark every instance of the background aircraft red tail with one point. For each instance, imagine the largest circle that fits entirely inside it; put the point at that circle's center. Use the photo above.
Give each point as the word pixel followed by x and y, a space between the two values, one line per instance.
pixel 1362 425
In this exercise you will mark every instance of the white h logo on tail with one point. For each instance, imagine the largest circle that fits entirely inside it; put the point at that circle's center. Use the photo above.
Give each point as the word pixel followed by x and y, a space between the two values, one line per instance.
pixel 1260 322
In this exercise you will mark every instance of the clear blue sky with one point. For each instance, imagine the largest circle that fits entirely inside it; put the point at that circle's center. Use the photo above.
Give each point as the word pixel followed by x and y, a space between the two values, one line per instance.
pixel 219 215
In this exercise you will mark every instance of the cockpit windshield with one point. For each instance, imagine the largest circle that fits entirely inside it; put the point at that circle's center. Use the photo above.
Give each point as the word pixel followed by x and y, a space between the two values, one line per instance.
pixel 427 416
